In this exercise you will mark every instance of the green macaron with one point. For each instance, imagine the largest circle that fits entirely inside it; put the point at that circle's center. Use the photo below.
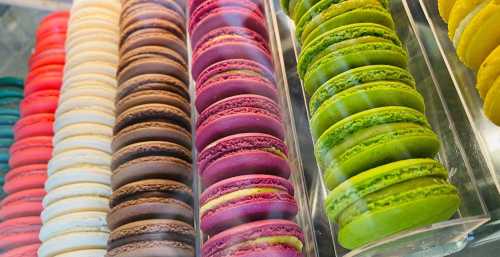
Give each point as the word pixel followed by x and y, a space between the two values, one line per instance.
pixel 4 167
pixel 11 81
pixel 393 133
pixel 391 198
pixel 363 97
pixel 4 154
pixel 8 119
pixel 360 75
pixel 350 57
pixel 344 13
pixel 297 8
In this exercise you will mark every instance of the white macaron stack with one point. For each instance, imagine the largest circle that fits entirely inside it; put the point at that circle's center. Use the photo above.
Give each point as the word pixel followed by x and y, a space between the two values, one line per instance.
pixel 78 187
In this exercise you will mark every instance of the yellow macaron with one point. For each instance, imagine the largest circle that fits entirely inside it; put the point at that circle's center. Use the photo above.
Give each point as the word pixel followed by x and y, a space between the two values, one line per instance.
pixel 460 10
pixel 492 102
pixel 480 35
pixel 444 7
pixel 488 72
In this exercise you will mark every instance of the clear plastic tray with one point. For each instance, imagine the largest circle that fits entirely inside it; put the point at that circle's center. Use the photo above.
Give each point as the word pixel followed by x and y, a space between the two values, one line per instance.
pixel 464 80
pixel 436 240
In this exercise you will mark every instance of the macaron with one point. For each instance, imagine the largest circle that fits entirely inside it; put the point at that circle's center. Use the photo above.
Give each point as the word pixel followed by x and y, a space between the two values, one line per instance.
pixel 476 39
pixel 19 232
pixel 78 116
pixel 75 244
pixel 78 174
pixel 148 10
pixel 271 237
pixel 152 82
pixel 234 77
pixel 491 102
pixel 40 102
pixel 343 13
pixel 341 49
pixel 460 9
pixel 394 133
pixel 90 103
pixel 151 23
pixel 488 72
pixel 153 97
pixel 154 37
pixel 176 5
pixel 414 190
pixel 230 43
pixel 152 112
pixel 24 251
pixel 56 70
pixel 49 57
pixel 152 237
pixel 238 114
pixel 25 203
pixel 357 76
pixel 214 14
pixel 444 8
pixel 147 199
pixel 86 221
pixel 243 154
pixel 32 150
pixel 150 52
pixel 242 199
pixel 364 97
pixel 42 83
pixel 8 120
pixel 25 177
pixel 36 125
pixel 78 158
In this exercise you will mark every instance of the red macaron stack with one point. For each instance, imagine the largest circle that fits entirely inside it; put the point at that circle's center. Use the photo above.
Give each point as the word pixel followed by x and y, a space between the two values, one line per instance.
pixel 32 148
pixel 243 159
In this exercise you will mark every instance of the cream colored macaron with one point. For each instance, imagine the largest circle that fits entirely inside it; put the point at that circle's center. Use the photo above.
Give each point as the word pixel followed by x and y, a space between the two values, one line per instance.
pixel 91 56
pixel 84 253
pixel 86 102
pixel 75 204
pixel 101 90
pixel 91 68
pixel 76 190
pixel 79 174
pixel 100 143
pixel 65 244
pixel 78 158
pixel 83 116
pixel 74 222
pixel 89 79
pixel 111 5
pixel 107 46
pixel 80 129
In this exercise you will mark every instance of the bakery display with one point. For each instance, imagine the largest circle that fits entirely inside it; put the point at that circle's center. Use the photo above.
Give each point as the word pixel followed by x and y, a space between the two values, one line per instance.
pixel 11 94
pixel 152 204
pixel 32 134
pixel 78 183
pixel 472 30
pixel 240 135
pixel 368 119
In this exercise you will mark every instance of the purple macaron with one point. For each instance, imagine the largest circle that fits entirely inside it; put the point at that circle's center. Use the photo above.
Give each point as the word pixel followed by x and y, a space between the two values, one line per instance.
pixel 241 241
pixel 238 114
pixel 243 154
pixel 213 14
pixel 243 199
pixel 234 77
pixel 230 43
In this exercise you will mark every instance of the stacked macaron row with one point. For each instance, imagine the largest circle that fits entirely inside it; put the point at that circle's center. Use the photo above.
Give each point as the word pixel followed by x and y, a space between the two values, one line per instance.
pixel 152 202
pixel 11 94
pixel 472 26
pixel 78 185
pixel 33 134
pixel 372 139
pixel 247 205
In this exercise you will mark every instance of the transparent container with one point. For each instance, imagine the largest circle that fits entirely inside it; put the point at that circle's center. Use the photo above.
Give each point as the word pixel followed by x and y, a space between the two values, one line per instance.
pixel 439 239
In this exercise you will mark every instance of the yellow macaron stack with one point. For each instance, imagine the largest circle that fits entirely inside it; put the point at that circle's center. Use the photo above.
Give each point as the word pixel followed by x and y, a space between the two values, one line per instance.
pixel 473 26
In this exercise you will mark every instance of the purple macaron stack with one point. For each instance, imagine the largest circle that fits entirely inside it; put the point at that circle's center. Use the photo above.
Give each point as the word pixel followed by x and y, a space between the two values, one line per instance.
pixel 247 206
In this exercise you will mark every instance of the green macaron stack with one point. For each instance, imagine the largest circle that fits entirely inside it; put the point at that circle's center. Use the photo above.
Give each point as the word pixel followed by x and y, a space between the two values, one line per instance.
pixel 372 139
pixel 11 94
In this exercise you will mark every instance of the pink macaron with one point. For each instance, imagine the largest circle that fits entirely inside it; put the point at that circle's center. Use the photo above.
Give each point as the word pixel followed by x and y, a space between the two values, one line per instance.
pixel 25 178
pixel 24 251
pixel 22 204
pixel 31 150
pixel 44 101
pixel 20 232
pixel 35 125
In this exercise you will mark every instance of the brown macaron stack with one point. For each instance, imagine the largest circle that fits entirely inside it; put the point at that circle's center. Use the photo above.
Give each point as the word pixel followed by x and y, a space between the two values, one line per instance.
pixel 151 206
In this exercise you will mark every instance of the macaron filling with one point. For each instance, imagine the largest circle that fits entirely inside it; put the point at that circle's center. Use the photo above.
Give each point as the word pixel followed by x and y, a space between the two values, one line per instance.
pixel 214 203
pixel 290 241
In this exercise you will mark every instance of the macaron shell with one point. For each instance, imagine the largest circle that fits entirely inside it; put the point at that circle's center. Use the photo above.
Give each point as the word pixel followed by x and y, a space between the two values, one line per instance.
pixel 25 177
pixel 19 232
pixel 22 204
pixel 40 102
pixel 72 242
pixel 33 150
pixel 24 251
pixel 492 103
pixel 488 72
pixel 43 83
pixel 74 175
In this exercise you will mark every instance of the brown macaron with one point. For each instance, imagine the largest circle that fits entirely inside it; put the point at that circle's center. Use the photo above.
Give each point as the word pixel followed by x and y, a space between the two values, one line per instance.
pixel 145 11
pixel 152 167
pixel 175 5
pixel 154 37
pixel 153 97
pixel 152 237
pixel 152 198
pixel 149 148
pixel 152 112
pixel 152 82
pixel 150 51
pixel 153 65
pixel 152 23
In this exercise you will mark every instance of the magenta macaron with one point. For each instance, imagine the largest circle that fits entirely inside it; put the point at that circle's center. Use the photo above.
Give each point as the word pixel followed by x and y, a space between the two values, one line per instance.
pixel 243 154
pixel 234 77
pixel 243 199
pixel 238 114
pixel 213 14
pixel 257 239
pixel 230 43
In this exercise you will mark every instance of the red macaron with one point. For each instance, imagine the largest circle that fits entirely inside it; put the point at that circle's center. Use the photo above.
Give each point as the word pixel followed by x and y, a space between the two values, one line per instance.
pixel 53 70
pixel 43 82
pixel 39 102
pixel 25 177
pixel 34 126
pixel 22 204
pixel 48 57
pixel 31 150
pixel 20 232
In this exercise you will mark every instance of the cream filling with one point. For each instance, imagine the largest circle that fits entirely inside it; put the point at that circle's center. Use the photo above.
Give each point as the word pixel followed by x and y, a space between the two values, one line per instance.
pixel 291 241
pixel 234 195
pixel 465 22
